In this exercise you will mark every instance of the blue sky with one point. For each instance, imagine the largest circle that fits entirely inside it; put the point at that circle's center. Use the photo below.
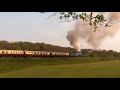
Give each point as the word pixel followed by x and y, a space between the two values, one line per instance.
pixel 32 26
pixel 35 27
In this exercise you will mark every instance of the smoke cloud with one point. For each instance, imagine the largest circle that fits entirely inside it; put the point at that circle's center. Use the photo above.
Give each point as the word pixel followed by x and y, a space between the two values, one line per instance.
pixel 82 30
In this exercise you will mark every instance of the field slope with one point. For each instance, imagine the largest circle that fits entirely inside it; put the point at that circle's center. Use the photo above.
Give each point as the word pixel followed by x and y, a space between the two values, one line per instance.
pixel 103 69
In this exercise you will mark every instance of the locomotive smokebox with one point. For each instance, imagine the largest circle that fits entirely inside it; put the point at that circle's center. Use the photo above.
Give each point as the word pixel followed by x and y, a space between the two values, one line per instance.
pixel 75 54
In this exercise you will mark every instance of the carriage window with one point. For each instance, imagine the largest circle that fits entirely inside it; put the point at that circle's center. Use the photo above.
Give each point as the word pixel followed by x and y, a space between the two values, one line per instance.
pixel 11 52
pixel 37 53
pixel 6 52
pixel 50 53
pixel 3 52
pixel 18 52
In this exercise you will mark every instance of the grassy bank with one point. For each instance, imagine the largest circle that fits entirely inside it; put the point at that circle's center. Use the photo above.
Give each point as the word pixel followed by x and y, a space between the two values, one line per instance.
pixel 104 69
pixel 11 64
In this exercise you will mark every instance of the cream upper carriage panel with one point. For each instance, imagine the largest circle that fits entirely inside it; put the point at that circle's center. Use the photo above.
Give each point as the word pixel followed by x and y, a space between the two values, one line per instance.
pixel 37 52
pixel 11 52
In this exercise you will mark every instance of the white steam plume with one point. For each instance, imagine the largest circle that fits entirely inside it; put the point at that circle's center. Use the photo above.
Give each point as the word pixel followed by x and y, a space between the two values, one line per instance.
pixel 83 30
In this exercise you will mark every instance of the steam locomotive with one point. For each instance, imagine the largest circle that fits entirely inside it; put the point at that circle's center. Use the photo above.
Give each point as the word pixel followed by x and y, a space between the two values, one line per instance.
pixel 26 53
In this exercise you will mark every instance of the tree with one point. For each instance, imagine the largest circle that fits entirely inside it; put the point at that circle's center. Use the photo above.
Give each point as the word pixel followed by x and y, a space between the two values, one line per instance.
pixel 19 45
pixel 94 20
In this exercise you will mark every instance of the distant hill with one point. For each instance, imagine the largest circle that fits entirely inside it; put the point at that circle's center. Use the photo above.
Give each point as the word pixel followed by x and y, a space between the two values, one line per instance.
pixel 19 45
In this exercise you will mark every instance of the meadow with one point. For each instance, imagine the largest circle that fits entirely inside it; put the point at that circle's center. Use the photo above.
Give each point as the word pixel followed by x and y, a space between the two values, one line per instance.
pixel 59 67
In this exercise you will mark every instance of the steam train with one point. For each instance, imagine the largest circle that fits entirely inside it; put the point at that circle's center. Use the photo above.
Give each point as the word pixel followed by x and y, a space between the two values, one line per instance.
pixel 26 53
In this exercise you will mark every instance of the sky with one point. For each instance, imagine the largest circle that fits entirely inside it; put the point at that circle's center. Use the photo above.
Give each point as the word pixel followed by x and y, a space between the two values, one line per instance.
pixel 36 27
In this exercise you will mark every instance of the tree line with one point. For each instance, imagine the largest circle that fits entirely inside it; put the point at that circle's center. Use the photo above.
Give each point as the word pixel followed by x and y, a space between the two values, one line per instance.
pixel 100 53
pixel 48 47
pixel 33 46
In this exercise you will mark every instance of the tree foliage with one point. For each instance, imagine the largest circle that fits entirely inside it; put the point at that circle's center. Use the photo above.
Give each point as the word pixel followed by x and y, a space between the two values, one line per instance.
pixel 33 46
pixel 100 53
pixel 94 21
pixel 48 47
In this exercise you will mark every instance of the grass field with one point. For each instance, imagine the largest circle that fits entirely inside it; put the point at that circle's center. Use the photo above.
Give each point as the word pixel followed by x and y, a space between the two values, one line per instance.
pixel 103 69
pixel 12 64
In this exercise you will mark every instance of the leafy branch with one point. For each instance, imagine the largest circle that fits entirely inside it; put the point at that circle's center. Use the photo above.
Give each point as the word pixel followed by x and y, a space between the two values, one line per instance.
pixel 94 20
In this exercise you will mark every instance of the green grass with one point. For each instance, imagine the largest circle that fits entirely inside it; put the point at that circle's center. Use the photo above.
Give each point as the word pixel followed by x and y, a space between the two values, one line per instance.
pixel 59 67
pixel 104 69
pixel 12 64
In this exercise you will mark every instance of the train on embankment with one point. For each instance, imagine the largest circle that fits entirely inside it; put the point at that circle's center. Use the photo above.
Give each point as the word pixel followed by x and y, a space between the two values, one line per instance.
pixel 27 53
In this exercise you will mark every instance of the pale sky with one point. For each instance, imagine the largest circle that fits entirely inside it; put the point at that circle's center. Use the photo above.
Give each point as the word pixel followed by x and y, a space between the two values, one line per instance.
pixel 35 27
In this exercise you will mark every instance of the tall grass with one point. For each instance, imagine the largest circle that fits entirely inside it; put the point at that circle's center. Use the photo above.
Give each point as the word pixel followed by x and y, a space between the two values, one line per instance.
pixel 11 64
